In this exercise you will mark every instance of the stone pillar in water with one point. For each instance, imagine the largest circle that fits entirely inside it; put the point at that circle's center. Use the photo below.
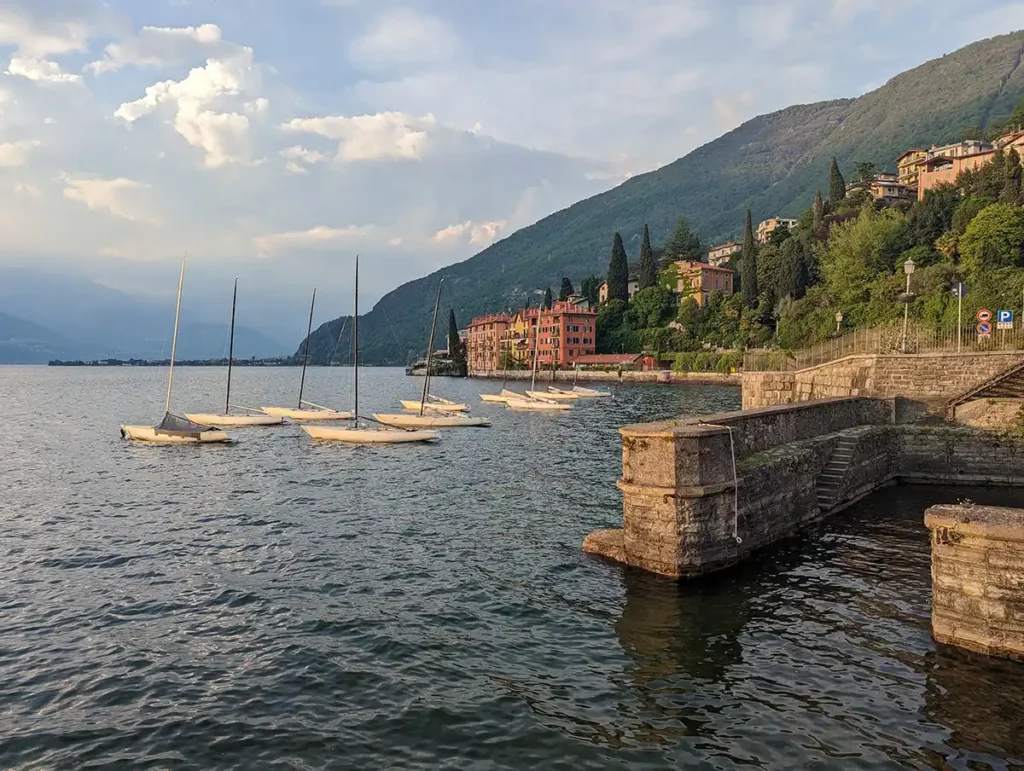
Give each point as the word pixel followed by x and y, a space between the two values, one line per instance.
pixel 678 501
pixel 978 578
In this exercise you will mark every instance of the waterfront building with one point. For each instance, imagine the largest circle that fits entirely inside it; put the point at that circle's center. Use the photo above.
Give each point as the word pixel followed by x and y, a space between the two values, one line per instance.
pixel 565 332
pixel 719 255
pixel 908 165
pixel 769 226
pixel 486 340
pixel 602 290
pixel 699 280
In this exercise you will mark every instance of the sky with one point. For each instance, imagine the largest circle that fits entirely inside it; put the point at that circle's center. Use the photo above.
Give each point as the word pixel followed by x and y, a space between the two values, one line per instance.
pixel 274 139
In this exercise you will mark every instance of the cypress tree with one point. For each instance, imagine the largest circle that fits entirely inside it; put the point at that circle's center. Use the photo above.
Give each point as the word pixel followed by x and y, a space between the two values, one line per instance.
pixel 453 333
pixel 548 299
pixel 618 271
pixel 818 210
pixel 836 184
pixel 566 289
pixel 648 268
pixel 748 265
pixel 1012 175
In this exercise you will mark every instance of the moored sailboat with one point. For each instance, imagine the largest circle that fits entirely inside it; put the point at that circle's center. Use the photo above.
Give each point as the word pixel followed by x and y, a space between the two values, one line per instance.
pixel 355 434
pixel 438 412
pixel 226 419
pixel 175 429
pixel 301 413
pixel 534 400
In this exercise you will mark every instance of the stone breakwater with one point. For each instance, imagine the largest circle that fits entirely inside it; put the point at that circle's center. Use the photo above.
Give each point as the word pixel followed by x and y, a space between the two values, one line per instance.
pixel 978 578
pixel 700 495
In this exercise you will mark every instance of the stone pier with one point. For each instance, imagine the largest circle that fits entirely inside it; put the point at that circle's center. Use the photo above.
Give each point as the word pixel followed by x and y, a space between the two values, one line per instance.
pixel 978 578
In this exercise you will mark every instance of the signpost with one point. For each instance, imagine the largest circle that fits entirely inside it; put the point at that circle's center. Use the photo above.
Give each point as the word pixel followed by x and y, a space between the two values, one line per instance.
pixel 984 322
pixel 1004 320
pixel 959 291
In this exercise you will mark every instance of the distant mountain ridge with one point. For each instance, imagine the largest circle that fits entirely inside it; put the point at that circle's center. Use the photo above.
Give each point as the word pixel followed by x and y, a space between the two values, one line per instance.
pixel 88 320
pixel 771 164
pixel 23 342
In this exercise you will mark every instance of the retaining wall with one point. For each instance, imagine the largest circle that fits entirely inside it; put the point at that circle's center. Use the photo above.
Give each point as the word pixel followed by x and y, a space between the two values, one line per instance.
pixel 929 379
pixel 629 376
pixel 978 578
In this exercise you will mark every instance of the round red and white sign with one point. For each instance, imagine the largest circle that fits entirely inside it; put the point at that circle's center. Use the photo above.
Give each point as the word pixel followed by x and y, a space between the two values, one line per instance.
pixel 984 315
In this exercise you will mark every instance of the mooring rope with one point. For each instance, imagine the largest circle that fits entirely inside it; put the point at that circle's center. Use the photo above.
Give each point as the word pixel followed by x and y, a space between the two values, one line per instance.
pixel 735 481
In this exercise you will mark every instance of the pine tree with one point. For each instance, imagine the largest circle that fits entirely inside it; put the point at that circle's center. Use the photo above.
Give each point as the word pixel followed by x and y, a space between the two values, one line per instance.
pixel 748 265
pixel 548 299
pixel 566 290
pixel 836 184
pixel 648 268
pixel 590 288
pixel 818 210
pixel 1011 192
pixel 618 271
pixel 683 244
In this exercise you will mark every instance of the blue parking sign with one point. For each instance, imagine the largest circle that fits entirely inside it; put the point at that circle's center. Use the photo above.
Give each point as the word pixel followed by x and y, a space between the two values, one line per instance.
pixel 1004 320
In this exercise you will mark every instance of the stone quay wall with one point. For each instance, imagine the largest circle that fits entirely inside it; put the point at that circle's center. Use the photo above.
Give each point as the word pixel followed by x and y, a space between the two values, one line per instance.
pixel 978 578
pixel 685 512
pixel 930 379
pixel 667 377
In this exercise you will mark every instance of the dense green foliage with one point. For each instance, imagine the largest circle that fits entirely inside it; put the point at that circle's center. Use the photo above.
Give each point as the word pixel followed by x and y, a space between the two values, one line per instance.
pixel 683 244
pixel 566 290
pixel 836 184
pixel 772 165
pixel 618 271
pixel 590 288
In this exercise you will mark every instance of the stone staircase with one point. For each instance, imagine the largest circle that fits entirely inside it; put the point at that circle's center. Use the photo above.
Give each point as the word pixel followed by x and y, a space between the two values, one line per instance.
pixel 830 480
pixel 1008 384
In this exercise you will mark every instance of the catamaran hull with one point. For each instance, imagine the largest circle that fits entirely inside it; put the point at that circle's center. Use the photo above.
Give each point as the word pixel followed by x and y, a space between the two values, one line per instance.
pixel 300 416
pixel 535 405
pixel 150 434
pixel 493 398
pixel 434 406
pixel 590 393
pixel 431 421
pixel 549 396
pixel 369 436
pixel 233 421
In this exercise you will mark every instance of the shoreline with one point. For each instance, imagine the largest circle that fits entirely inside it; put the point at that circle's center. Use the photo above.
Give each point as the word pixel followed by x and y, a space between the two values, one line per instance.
pixel 663 377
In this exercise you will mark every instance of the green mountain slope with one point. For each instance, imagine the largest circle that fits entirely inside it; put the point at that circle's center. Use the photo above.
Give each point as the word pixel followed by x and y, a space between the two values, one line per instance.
pixel 771 164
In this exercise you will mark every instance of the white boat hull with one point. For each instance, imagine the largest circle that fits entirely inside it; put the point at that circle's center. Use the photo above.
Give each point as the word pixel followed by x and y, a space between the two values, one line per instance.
pixel 434 406
pixel 590 393
pixel 535 405
pixel 150 434
pixel 369 435
pixel 431 421
pixel 300 416
pixel 233 421
pixel 547 395
pixel 493 398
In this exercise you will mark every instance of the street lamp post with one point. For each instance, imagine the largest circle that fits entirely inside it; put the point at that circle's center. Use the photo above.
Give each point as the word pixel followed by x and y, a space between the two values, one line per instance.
pixel 908 268
pixel 839 320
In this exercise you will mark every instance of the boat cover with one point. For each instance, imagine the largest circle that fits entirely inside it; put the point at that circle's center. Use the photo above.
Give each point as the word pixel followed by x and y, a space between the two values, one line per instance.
pixel 176 425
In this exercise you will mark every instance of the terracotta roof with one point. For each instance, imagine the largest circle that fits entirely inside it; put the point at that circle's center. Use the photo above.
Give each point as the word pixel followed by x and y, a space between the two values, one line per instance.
pixel 911 151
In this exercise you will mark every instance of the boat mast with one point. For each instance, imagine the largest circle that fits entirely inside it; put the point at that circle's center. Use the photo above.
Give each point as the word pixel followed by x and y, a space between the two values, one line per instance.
pixel 305 355
pixel 536 352
pixel 355 350
pixel 504 361
pixel 430 347
pixel 174 340
pixel 231 349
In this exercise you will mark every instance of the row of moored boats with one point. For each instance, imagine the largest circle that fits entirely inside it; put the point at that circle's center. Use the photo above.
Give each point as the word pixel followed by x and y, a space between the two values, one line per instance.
pixel 417 422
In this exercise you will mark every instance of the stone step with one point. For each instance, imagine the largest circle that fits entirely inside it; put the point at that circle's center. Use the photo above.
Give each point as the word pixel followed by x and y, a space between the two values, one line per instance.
pixel 826 474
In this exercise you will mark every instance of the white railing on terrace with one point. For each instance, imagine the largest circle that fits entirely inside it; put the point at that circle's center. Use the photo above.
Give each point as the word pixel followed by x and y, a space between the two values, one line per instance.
pixel 888 339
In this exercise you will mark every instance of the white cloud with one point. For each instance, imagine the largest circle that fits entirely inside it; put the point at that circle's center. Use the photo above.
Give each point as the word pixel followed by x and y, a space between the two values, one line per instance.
pixel 317 237
pixel 223 136
pixel 37 33
pixel 40 70
pixel 296 155
pixel 478 234
pixel 16 153
pixel 403 37
pixel 27 188
pixel 117 196
pixel 386 135
pixel 163 46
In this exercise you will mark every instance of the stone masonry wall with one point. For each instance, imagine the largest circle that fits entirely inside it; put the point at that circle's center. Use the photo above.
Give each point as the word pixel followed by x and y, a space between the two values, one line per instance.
pixel 932 379
pixel 940 455
pixel 978 578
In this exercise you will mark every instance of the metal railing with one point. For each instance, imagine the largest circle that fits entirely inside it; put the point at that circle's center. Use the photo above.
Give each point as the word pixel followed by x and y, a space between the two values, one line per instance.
pixel 887 339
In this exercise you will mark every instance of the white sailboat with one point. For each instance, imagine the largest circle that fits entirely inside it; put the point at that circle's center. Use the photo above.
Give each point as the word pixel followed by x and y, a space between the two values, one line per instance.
pixel 301 413
pixel 534 400
pixel 579 391
pixel 226 419
pixel 367 435
pixel 502 396
pixel 437 413
pixel 175 429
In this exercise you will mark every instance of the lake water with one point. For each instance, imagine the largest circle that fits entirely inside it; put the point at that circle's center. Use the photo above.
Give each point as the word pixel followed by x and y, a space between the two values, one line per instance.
pixel 280 604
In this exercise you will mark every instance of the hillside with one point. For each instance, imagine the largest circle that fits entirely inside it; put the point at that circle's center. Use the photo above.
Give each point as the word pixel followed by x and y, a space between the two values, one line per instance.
pixel 772 164
pixel 22 342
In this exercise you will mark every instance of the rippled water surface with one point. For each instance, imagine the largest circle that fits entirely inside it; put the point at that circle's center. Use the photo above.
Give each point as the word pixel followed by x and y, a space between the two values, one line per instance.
pixel 280 604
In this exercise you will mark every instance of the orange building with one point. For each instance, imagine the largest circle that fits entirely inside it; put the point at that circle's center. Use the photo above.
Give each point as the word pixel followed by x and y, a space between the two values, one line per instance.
pixel 699 280
pixel 487 338
pixel 946 168
pixel 907 166
pixel 769 226
pixel 564 334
